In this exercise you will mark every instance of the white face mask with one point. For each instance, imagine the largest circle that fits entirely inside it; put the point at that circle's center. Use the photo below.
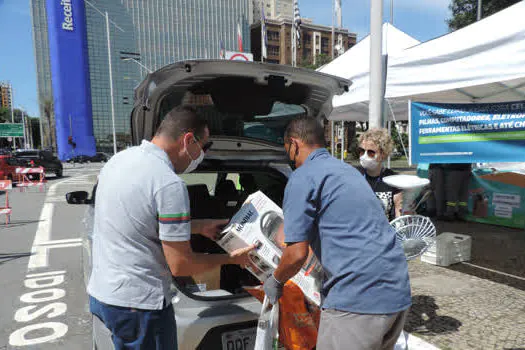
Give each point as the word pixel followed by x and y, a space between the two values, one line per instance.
pixel 194 162
pixel 369 163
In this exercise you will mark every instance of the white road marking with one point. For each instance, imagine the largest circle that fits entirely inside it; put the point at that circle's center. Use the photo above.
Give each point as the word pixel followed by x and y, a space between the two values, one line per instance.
pixel 495 271
pixel 19 337
pixel 48 295
pixel 45 299
pixel 62 241
pixel 42 243
pixel 39 254
pixel 50 273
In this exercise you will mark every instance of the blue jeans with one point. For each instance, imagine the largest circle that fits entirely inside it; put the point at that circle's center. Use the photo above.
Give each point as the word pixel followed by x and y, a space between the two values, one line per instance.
pixel 137 329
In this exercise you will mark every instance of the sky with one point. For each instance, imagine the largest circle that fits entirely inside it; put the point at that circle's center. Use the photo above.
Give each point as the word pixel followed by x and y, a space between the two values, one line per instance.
pixel 422 19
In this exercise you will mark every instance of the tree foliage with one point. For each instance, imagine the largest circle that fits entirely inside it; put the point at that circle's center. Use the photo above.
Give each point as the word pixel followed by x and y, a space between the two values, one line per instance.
pixel 320 60
pixel 5 114
pixel 464 12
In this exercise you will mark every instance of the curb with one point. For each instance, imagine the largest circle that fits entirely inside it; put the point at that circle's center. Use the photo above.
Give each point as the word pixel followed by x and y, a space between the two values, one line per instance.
pixel 415 343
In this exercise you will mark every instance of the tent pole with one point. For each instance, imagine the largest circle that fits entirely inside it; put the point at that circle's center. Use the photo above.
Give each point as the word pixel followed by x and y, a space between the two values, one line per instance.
pixel 376 64
pixel 398 133
pixel 389 123
pixel 480 7
pixel 332 137
pixel 343 140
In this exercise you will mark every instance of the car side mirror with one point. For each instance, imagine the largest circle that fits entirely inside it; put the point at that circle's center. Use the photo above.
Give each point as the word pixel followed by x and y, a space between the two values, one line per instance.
pixel 78 197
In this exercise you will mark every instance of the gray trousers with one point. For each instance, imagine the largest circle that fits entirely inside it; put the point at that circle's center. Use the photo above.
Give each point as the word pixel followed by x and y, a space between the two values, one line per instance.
pixel 341 330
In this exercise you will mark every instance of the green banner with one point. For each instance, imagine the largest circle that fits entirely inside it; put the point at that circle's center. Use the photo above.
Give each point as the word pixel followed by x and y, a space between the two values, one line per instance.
pixel 492 136
pixel 11 130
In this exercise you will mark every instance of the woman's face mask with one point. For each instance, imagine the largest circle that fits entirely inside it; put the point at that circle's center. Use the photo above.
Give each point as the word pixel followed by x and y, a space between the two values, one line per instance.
pixel 370 155
pixel 369 163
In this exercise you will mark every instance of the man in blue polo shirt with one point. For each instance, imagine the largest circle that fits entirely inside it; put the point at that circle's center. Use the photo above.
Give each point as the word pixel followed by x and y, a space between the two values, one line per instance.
pixel 329 206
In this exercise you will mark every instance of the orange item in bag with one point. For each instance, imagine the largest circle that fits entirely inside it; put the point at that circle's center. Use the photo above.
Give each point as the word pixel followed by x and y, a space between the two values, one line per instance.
pixel 298 318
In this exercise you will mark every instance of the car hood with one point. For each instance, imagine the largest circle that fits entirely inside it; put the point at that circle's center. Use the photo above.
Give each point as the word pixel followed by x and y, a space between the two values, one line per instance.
pixel 229 92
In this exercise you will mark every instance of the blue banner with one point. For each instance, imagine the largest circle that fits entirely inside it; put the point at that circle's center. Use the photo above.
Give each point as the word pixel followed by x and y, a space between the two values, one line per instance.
pixel 66 20
pixel 467 133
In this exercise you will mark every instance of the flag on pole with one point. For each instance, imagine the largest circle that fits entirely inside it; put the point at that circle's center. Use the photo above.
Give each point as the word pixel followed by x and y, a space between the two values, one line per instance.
pixel 264 37
pixel 297 22
pixel 239 37
pixel 338 13
pixel 222 51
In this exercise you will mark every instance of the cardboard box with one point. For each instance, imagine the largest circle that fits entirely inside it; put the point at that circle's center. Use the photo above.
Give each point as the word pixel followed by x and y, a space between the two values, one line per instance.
pixel 260 222
pixel 209 280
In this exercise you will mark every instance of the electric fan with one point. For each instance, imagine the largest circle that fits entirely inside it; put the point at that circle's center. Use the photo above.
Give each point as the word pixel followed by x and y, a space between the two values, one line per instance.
pixel 416 234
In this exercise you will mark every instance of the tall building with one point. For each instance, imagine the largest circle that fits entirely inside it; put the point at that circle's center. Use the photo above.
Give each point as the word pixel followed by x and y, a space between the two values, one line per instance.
pixel 315 41
pixel 144 35
pixel 5 95
pixel 273 8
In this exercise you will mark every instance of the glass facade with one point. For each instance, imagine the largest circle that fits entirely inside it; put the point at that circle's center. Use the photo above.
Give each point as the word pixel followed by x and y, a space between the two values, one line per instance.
pixel 43 67
pixel 153 33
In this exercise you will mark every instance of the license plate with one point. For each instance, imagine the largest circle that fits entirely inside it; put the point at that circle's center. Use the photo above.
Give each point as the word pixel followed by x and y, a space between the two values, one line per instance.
pixel 243 339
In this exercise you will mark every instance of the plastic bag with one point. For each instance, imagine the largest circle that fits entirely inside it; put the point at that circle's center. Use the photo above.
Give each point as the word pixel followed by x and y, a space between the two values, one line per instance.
pixel 298 318
pixel 268 327
pixel 402 341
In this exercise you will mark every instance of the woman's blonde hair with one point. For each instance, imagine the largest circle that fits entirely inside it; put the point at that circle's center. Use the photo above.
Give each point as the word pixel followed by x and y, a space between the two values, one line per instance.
pixel 380 138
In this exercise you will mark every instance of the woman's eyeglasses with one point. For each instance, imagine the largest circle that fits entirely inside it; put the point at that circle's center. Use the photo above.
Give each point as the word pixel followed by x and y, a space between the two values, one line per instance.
pixel 370 152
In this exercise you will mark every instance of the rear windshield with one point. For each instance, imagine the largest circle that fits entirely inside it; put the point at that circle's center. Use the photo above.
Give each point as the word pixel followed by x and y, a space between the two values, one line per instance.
pixel 269 127
pixel 26 154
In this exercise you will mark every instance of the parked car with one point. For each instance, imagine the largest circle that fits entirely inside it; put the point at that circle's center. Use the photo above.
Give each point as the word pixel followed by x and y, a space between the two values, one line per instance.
pixel 214 311
pixel 100 157
pixel 80 159
pixel 45 159
pixel 8 165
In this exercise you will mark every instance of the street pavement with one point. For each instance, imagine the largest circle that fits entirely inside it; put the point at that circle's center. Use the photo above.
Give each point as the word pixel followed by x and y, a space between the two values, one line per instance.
pixel 44 304
pixel 478 304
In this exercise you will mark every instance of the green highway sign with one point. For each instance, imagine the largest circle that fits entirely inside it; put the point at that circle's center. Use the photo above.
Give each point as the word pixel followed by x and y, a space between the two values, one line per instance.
pixel 11 130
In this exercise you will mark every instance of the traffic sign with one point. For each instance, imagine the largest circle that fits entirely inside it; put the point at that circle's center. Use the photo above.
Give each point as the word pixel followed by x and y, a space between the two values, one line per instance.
pixel 11 130
pixel 239 56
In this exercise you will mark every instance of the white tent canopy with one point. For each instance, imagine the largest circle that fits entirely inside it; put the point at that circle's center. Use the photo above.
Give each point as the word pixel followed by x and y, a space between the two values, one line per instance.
pixel 356 61
pixel 481 63
pixel 355 64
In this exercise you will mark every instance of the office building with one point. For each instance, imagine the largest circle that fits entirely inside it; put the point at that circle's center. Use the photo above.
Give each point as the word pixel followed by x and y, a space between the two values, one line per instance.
pixel 5 95
pixel 315 40
pixel 273 8
pixel 144 35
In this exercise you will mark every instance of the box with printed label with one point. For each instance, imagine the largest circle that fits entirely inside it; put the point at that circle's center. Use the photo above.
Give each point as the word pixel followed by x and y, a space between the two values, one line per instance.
pixel 260 222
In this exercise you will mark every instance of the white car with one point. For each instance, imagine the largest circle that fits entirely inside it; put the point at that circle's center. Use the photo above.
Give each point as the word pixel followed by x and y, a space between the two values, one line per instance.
pixel 212 310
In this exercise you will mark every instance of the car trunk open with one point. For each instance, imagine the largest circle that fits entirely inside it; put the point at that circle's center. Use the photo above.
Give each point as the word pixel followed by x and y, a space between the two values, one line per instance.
pixel 238 99
pixel 247 107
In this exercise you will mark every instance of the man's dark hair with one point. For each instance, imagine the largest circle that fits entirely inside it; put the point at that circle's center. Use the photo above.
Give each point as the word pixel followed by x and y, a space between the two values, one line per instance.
pixel 180 120
pixel 307 129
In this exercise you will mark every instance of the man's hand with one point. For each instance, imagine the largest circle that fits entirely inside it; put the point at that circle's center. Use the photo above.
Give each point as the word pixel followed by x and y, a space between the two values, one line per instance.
pixel 210 228
pixel 241 256
pixel 273 289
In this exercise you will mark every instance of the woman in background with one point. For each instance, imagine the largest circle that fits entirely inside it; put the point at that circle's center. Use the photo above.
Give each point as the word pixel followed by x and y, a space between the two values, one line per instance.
pixel 375 146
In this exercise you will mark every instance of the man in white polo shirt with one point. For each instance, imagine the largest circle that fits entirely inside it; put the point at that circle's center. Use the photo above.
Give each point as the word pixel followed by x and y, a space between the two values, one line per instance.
pixel 142 232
